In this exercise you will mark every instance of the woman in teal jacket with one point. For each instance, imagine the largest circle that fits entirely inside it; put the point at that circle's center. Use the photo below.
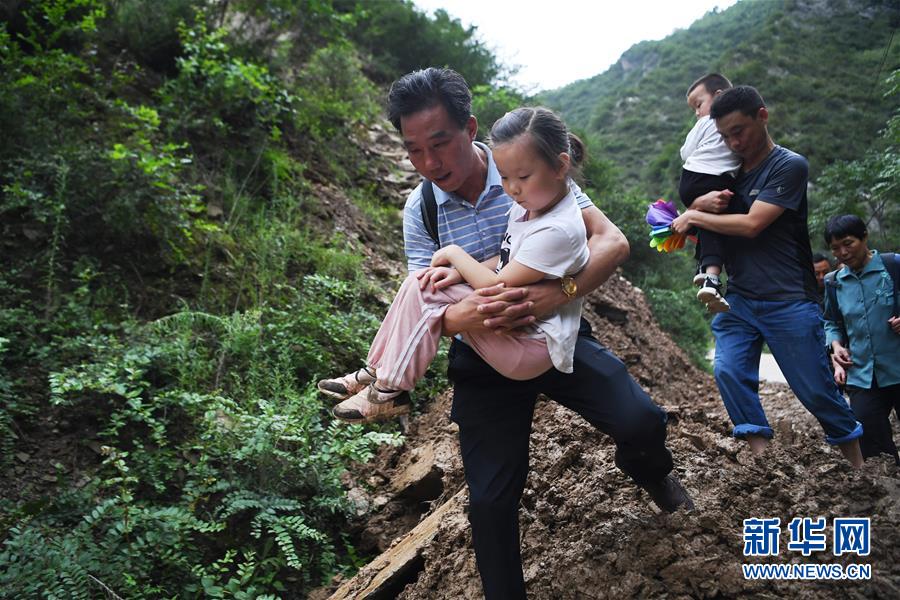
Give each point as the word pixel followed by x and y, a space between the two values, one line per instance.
pixel 862 329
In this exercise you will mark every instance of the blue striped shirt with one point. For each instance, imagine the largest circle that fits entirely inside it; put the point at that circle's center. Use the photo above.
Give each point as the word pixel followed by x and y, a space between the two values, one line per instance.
pixel 476 229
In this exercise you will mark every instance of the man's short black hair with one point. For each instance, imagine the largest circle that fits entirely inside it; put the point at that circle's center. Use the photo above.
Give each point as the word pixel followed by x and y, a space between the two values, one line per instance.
pixel 817 258
pixel 429 87
pixel 713 82
pixel 743 98
pixel 841 226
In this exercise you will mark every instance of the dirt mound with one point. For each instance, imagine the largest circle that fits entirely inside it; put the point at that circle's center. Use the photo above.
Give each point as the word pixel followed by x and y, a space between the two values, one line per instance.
pixel 588 532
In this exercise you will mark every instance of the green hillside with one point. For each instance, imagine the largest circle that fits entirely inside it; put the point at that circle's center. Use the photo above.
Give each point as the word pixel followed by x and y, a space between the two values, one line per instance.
pixel 189 191
pixel 820 65
pixel 199 218
pixel 828 71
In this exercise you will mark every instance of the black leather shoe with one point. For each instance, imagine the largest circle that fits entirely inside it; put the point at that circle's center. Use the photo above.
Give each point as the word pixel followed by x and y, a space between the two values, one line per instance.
pixel 669 495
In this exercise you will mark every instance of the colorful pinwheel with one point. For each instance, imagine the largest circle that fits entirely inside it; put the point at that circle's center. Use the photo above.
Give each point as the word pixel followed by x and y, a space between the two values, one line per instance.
pixel 660 215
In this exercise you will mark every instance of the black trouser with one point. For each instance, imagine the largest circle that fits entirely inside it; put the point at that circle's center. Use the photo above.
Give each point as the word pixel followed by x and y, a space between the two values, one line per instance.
pixel 872 408
pixel 494 417
pixel 709 249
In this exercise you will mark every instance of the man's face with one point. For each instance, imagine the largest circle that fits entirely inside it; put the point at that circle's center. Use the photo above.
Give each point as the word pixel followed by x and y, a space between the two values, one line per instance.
pixel 743 134
pixel 438 148
pixel 700 100
pixel 821 268
pixel 851 250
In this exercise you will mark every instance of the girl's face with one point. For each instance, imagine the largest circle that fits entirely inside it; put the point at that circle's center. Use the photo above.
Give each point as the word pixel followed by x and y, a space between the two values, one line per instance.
pixel 534 185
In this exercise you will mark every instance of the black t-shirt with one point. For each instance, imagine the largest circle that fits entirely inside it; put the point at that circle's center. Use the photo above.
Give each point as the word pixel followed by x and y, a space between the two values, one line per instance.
pixel 776 264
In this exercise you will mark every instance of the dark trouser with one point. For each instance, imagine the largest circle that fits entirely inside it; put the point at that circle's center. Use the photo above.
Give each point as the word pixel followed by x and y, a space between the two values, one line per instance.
pixel 494 417
pixel 710 248
pixel 873 409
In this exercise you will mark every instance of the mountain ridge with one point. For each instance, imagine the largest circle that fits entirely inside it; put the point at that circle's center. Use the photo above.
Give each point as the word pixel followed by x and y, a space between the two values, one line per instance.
pixel 826 100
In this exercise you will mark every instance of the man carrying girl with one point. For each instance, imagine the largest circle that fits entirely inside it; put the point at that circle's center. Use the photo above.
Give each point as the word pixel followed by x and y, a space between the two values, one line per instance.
pixel 545 239
pixel 432 111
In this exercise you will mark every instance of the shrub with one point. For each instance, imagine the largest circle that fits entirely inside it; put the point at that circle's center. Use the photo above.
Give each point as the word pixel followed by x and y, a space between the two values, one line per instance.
pixel 680 314
pixel 217 456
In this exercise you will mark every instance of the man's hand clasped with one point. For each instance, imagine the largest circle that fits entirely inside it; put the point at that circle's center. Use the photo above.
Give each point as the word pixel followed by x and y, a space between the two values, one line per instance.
pixel 683 222
pixel 496 308
pixel 508 310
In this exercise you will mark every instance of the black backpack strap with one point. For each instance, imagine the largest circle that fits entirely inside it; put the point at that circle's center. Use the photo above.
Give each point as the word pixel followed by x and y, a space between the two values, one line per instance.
pixel 832 311
pixel 892 264
pixel 429 211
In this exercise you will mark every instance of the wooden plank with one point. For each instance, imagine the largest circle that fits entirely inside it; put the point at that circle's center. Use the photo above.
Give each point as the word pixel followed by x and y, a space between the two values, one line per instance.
pixel 399 563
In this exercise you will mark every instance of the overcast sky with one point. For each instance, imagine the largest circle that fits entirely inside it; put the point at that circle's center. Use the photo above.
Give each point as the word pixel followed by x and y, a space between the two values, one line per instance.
pixel 557 42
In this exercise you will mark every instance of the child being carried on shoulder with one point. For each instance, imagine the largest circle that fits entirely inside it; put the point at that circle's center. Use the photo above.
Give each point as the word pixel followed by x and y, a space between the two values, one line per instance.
pixel 708 165
pixel 545 239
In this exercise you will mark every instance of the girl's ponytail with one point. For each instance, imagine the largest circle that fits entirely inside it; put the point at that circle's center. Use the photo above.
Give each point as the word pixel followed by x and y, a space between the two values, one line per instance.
pixel 577 150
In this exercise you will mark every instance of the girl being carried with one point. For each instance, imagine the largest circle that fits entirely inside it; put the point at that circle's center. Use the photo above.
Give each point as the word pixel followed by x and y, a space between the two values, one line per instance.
pixel 545 239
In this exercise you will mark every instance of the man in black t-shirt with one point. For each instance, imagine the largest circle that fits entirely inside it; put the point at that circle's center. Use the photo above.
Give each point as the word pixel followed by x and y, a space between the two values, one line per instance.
pixel 771 285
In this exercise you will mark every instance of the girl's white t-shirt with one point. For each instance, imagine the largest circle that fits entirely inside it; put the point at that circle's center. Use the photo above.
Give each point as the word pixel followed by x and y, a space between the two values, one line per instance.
pixel 704 150
pixel 554 243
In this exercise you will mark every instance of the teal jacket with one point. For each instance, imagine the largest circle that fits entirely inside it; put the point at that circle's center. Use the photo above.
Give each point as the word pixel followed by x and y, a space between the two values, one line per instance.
pixel 866 302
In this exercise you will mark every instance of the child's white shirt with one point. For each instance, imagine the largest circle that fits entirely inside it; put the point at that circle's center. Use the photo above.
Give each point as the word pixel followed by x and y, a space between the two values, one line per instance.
pixel 554 243
pixel 704 150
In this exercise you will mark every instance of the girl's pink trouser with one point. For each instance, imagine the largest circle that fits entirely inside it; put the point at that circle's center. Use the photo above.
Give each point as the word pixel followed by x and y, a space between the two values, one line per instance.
pixel 410 334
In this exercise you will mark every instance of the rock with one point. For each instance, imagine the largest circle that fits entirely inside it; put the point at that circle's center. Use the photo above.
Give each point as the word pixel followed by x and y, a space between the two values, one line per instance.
pixel 214 211
pixel 420 479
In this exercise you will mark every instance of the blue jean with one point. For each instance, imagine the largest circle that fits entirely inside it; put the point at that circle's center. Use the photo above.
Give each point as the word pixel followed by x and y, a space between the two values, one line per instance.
pixel 794 332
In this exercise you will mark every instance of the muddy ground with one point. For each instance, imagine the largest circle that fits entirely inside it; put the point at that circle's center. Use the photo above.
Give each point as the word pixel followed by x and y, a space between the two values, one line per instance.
pixel 588 532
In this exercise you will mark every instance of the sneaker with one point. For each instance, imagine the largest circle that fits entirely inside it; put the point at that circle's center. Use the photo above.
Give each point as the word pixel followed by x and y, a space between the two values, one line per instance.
pixel 669 495
pixel 699 278
pixel 344 387
pixel 710 294
pixel 358 408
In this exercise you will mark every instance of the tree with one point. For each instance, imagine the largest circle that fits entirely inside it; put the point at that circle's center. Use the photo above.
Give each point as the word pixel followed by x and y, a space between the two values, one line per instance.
pixel 868 186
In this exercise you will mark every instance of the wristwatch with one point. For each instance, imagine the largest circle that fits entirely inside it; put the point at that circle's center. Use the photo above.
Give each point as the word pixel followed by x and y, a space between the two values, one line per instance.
pixel 569 287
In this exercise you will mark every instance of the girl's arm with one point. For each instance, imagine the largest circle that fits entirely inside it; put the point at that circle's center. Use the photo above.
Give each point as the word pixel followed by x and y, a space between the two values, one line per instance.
pixel 441 277
pixel 482 275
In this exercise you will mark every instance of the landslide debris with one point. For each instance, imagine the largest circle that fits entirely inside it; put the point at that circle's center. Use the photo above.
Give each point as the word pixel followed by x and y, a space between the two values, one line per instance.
pixel 587 531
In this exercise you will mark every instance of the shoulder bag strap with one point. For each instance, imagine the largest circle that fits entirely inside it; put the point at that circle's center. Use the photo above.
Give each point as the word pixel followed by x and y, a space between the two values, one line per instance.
pixel 429 211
